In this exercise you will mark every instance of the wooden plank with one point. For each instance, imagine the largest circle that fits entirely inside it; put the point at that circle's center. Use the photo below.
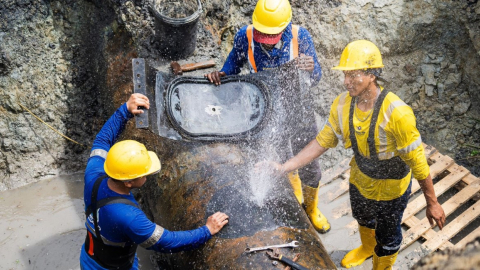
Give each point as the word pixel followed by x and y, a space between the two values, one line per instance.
pixel 333 195
pixel 456 174
pixel 444 235
pixel 415 186
pixel 469 179
pixel 352 227
pixel 470 237
pixel 333 173
pixel 346 174
pixel 342 210
pixel 452 228
pixel 441 164
pixel 429 150
pixel 449 207
pixel 429 234
pixel 465 182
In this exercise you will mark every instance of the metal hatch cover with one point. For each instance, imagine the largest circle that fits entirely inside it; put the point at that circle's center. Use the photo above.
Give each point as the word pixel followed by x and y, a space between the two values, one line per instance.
pixel 199 110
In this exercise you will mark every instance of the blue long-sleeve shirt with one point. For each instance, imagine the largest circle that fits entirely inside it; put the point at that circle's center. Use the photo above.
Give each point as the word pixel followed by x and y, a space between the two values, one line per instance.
pixel 122 224
pixel 275 57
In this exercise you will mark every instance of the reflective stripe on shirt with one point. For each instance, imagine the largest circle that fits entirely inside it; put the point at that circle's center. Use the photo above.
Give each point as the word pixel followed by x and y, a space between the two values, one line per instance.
pixel 411 147
pixel 153 239
pixel 382 135
pixel 339 136
pixel 99 152
pixel 341 104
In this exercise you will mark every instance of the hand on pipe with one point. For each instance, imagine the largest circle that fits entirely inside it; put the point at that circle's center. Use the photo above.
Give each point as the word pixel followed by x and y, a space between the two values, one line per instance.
pixel 271 167
pixel 135 101
pixel 215 76
pixel 216 222
pixel 305 62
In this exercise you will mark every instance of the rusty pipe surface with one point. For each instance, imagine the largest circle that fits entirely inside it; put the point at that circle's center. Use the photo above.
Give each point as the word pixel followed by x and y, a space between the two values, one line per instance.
pixel 213 177
pixel 200 178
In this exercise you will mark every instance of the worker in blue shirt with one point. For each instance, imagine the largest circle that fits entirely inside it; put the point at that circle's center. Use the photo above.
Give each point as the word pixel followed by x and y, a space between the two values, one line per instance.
pixel 270 42
pixel 115 223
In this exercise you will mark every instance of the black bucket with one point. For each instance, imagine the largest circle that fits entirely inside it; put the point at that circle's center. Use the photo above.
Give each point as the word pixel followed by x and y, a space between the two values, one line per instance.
pixel 177 37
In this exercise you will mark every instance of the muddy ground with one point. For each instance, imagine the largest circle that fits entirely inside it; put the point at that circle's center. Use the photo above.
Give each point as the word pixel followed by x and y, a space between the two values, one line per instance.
pixel 43 226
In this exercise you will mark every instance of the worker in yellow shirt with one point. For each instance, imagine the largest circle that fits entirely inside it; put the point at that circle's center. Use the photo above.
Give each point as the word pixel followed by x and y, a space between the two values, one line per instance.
pixel 370 119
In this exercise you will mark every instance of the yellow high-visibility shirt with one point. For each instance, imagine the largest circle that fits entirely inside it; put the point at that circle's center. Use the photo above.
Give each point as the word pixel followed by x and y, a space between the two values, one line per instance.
pixel 396 134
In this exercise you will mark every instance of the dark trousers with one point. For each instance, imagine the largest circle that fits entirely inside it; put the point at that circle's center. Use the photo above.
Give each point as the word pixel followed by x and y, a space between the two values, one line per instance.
pixel 300 128
pixel 303 133
pixel 385 217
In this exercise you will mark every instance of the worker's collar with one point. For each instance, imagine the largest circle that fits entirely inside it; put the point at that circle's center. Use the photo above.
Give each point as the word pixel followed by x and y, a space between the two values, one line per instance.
pixel 277 46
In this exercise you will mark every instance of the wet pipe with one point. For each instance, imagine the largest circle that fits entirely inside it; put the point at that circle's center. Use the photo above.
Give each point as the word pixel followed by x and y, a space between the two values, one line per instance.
pixel 207 168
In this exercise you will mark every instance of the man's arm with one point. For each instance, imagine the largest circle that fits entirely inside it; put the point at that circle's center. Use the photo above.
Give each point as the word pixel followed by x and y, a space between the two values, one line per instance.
pixel 110 131
pixel 154 237
pixel 434 209
pixel 411 151
pixel 307 47
pixel 310 152
pixel 238 55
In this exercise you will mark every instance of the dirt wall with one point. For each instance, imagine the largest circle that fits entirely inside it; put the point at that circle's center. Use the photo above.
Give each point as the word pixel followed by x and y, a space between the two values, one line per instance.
pixel 65 59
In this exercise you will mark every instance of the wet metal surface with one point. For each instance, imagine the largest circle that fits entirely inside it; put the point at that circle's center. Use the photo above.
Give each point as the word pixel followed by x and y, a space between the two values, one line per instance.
pixel 200 178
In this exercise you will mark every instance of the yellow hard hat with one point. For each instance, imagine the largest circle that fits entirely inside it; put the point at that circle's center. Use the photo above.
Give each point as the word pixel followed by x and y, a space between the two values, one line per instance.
pixel 129 159
pixel 272 16
pixel 360 54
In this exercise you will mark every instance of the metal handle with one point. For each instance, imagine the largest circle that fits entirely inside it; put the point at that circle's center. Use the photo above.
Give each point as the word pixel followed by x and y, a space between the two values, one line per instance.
pixel 293 264
pixel 139 86
pixel 291 244
pixel 199 65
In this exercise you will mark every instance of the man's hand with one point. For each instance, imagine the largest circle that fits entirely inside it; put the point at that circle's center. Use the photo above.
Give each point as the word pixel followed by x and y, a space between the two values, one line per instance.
pixel 135 101
pixel 305 62
pixel 216 222
pixel 435 212
pixel 215 76
pixel 434 209
pixel 270 167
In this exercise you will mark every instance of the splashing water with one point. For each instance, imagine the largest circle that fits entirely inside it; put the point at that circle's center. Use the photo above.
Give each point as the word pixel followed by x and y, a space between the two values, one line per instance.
pixel 261 183
pixel 261 179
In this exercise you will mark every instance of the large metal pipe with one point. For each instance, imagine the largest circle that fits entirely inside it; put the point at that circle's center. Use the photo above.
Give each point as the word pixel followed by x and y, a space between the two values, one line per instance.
pixel 199 178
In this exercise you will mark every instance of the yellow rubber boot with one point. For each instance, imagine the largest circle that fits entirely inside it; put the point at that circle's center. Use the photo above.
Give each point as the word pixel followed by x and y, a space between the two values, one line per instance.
pixel 384 262
pixel 318 220
pixel 296 183
pixel 357 256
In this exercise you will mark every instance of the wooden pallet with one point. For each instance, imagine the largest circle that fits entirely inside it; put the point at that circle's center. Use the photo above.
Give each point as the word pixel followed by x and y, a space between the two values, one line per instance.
pixel 451 175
